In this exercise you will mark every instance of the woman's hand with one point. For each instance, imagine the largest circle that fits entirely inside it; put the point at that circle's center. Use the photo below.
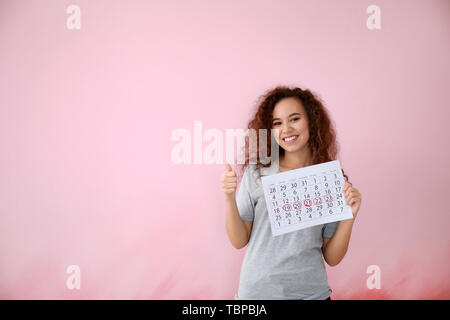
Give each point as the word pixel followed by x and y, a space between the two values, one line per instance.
pixel 229 183
pixel 353 197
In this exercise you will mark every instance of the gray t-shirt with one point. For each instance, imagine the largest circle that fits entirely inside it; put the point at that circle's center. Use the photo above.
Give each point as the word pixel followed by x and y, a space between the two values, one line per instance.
pixel 288 266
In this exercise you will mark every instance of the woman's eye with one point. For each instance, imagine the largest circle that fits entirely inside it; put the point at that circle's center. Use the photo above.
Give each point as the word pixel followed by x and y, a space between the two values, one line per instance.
pixel 295 119
pixel 276 123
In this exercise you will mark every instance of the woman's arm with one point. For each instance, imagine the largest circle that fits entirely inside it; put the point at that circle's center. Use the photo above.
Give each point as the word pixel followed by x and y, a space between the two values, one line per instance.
pixel 334 249
pixel 238 230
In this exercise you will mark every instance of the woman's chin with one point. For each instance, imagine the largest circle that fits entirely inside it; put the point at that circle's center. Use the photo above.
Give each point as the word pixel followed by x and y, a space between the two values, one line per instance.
pixel 293 148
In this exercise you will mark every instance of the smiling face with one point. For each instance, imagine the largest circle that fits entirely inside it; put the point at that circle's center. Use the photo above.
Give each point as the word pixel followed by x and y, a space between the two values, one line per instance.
pixel 289 116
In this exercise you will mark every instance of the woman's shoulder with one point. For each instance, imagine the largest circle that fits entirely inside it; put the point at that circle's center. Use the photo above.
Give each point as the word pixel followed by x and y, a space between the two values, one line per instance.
pixel 251 173
pixel 257 172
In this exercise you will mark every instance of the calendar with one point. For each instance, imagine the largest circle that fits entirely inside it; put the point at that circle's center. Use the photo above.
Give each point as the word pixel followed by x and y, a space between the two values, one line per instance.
pixel 305 197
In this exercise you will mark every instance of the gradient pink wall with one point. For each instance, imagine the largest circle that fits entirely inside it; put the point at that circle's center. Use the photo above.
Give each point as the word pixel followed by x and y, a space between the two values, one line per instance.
pixel 86 118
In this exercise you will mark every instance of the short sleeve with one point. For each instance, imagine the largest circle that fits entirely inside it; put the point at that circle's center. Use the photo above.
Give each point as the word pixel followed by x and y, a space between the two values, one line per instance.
pixel 329 229
pixel 244 199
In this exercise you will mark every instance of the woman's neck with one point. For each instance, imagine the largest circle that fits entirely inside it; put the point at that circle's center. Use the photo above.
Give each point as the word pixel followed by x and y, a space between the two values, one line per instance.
pixel 295 160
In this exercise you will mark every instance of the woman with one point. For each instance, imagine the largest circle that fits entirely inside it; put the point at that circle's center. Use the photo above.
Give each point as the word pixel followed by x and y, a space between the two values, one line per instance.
pixel 288 266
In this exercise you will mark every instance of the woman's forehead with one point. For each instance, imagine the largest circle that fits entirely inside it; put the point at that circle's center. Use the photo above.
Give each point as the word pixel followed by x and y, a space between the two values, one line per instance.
pixel 287 106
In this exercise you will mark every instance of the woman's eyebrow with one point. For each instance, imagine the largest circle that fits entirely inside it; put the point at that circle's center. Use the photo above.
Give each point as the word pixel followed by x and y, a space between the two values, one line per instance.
pixel 292 114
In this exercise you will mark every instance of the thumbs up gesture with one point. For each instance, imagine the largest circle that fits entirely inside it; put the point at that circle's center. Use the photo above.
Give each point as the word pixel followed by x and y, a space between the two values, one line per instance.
pixel 229 182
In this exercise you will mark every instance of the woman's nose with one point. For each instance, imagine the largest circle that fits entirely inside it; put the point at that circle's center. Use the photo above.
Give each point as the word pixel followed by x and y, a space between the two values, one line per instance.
pixel 286 127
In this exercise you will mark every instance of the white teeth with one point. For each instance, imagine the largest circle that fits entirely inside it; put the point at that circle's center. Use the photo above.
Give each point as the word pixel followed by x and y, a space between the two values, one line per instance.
pixel 290 138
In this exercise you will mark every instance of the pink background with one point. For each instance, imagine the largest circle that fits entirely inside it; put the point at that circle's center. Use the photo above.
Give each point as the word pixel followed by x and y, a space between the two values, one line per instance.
pixel 86 118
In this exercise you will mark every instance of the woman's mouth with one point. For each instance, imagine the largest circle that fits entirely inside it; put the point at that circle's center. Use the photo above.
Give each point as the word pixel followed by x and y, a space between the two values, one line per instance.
pixel 290 139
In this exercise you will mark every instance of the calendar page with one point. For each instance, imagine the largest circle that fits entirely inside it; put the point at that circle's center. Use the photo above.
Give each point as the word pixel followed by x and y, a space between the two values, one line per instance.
pixel 305 197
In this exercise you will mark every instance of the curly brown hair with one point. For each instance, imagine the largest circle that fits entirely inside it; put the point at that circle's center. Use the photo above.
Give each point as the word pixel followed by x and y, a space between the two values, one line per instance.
pixel 322 141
